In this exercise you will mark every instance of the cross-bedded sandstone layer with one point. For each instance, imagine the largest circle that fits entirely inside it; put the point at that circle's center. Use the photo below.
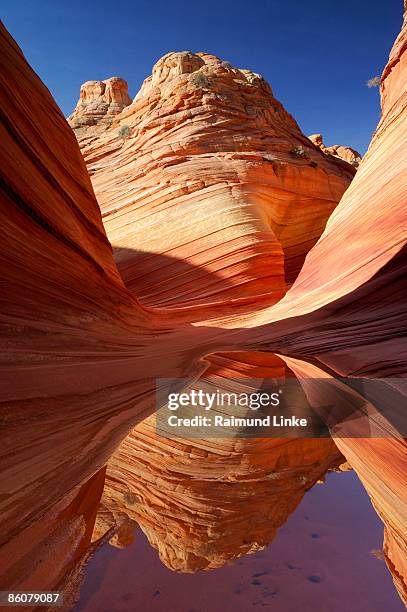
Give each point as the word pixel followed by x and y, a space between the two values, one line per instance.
pixel 207 168
pixel 211 197
pixel 80 354
pixel 74 341
pixel 333 274
pixel 204 503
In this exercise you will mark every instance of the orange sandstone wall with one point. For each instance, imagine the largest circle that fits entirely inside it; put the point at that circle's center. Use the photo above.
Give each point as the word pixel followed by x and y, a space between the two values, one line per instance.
pixel 79 354
pixel 75 371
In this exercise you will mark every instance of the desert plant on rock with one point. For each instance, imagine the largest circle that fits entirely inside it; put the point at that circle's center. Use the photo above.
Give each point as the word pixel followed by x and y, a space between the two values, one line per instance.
pixel 124 131
pixel 299 152
pixel 200 80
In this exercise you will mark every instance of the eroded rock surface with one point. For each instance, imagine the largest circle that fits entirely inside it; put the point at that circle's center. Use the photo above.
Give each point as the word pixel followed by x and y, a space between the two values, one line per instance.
pixel 99 102
pixel 216 175
pixel 85 353
pixel 351 156
pixel 204 503
pixel 74 340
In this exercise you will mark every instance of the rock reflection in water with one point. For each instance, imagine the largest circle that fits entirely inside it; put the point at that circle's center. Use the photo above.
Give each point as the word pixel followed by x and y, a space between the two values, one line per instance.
pixel 204 502
pixel 384 480
pixel 324 557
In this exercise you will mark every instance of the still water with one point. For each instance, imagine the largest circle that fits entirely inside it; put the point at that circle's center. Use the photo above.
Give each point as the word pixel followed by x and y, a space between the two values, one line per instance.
pixel 326 557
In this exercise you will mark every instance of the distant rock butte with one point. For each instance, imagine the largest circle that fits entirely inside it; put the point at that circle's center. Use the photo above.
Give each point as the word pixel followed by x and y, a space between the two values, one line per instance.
pixel 98 102
pixel 351 156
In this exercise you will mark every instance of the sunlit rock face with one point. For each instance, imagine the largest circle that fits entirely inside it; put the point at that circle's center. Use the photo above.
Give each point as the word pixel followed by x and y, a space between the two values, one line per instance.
pixel 80 355
pixel 347 307
pixel 341 294
pixel 351 297
pixel 60 287
pixel 351 156
pixel 205 502
pixel 99 102
pixel 213 196
pixel 207 167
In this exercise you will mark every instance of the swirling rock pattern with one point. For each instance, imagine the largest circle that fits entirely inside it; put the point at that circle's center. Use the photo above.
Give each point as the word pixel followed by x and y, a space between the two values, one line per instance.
pixel 74 340
pixel 205 503
pixel 80 354
pixel 356 284
pixel 343 294
pixel 213 198
pixel 213 155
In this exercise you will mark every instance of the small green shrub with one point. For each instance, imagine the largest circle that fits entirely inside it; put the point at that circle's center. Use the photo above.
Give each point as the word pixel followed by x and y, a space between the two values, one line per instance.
pixel 373 82
pixel 200 80
pixel 124 131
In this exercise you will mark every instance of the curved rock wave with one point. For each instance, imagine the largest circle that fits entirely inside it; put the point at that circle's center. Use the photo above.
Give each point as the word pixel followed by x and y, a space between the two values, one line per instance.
pixel 80 353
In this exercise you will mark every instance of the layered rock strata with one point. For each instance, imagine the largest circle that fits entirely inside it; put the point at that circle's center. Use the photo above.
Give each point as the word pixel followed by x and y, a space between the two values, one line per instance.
pixel 212 199
pixel 80 354
pixel 204 503
pixel 215 176
pixel 75 367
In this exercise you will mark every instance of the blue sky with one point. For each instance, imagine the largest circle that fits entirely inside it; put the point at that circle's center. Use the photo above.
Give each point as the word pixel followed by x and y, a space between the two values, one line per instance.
pixel 316 54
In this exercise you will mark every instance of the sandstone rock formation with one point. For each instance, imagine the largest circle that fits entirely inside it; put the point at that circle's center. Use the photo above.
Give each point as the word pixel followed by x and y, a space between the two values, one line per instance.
pixel 205 502
pixel 74 340
pixel 360 296
pixel 130 213
pixel 346 153
pixel 342 292
pixel 99 102
pixel 213 200
pixel 212 154
pixel 80 354
pixel 368 351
